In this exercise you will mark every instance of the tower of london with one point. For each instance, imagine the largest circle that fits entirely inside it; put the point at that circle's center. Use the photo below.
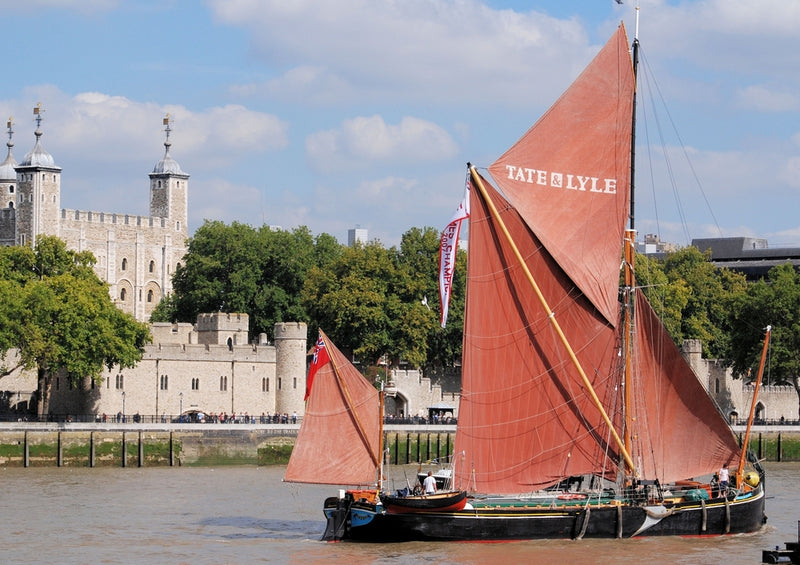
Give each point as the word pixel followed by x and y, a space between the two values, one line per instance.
pixel 136 255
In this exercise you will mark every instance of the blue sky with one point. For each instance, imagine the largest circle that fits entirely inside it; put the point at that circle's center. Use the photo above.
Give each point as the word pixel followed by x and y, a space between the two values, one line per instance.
pixel 338 113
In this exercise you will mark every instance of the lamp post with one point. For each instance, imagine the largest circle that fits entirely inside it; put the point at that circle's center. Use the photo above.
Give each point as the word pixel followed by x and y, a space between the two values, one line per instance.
pixel 180 416
pixel 123 405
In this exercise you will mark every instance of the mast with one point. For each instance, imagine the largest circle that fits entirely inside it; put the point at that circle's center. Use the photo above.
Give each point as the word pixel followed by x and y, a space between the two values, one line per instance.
pixel 743 456
pixel 635 56
pixel 380 440
pixel 551 315
pixel 629 256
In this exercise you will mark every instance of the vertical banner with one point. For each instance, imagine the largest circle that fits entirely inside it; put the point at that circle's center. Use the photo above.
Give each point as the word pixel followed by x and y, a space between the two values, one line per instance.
pixel 447 252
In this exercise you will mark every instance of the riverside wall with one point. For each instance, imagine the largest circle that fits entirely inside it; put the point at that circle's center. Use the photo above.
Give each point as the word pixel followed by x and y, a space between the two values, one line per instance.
pixel 68 444
pixel 103 444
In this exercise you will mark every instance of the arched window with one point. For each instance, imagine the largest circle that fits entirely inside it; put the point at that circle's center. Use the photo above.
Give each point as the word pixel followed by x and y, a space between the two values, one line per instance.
pixel 149 295
pixel 716 386
pixel 124 263
pixel 122 294
pixel 152 266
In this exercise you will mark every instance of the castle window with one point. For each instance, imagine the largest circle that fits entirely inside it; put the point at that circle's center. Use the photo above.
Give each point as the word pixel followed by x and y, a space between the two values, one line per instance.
pixel 294 383
pixel 11 189
pixel 122 294
pixel 159 184
pixel 149 295
pixel 164 383
pixel 11 204
pixel 265 384
pixel 124 264
pixel 223 383
pixel 279 383
pixel 120 382
pixel 195 384
pixel 152 266
pixel 716 386
pixel 177 226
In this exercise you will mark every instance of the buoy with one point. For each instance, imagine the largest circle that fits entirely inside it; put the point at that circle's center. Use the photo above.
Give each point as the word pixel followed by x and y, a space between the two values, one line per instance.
pixel 752 478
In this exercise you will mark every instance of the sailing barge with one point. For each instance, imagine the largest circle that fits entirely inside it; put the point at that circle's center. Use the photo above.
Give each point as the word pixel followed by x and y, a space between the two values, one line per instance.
pixel 564 374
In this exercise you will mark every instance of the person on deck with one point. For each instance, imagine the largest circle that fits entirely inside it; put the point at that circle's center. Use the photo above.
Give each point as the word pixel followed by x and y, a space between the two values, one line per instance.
pixel 724 479
pixel 429 484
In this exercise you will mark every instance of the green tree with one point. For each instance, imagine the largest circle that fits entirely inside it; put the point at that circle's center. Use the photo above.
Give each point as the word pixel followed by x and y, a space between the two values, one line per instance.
pixel 692 296
pixel 238 268
pixel 774 301
pixel 65 321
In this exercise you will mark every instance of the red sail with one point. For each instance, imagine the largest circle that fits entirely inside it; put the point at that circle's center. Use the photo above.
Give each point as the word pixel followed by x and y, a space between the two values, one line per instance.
pixel 568 176
pixel 338 442
pixel 525 420
pixel 679 431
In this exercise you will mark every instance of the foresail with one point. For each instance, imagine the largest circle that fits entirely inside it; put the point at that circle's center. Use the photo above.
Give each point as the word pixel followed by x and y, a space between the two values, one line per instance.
pixel 569 175
pixel 679 431
pixel 338 441
pixel 525 420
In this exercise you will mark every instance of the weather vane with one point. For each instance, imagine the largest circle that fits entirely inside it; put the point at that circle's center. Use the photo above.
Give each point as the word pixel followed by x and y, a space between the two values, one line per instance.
pixel 167 120
pixel 37 111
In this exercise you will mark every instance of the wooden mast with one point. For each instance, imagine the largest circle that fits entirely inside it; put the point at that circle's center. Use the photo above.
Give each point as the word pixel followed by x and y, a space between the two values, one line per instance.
pixel 743 456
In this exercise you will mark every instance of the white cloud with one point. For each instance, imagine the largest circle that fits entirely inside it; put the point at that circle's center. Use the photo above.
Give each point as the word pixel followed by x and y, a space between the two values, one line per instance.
pixel 436 51
pixel 363 141
pixel 766 99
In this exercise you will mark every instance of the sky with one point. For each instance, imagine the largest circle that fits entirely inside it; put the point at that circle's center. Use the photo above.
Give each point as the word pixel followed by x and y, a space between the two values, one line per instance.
pixel 336 114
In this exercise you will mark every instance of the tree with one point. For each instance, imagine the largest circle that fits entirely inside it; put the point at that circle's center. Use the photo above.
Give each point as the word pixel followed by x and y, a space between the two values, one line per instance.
pixel 63 318
pixel 692 296
pixel 776 302
pixel 238 268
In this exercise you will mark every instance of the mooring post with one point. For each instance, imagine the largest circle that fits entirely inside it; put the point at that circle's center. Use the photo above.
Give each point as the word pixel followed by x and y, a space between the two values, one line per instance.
pixel 59 452
pixel 124 451
pixel 91 449
pixel 141 450
pixel 26 453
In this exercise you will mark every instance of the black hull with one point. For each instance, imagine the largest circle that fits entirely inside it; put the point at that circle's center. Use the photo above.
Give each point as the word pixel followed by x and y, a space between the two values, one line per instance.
pixel 695 518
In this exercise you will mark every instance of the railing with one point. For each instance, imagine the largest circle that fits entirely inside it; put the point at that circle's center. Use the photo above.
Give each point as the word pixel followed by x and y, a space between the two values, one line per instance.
pixel 194 418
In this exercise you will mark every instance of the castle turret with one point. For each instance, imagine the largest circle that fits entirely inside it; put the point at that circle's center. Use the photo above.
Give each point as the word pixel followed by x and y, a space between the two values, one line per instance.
pixel 39 192
pixel 290 361
pixel 8 193
pixel 169 189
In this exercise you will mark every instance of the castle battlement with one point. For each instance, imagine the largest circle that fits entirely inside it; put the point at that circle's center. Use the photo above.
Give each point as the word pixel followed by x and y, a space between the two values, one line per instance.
pixel 772 389
pixel 209 352
pixel 90 216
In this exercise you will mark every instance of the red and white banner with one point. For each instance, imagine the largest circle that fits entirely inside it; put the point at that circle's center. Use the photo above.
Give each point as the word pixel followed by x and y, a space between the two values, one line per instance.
pixel 447 252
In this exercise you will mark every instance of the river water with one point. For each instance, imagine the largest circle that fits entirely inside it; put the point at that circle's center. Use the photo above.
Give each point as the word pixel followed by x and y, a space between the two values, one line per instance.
pixel 248 515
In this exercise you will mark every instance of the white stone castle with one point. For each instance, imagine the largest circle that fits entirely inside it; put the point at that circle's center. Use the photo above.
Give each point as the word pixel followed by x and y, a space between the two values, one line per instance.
pixel 136 255
pixel 209 367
